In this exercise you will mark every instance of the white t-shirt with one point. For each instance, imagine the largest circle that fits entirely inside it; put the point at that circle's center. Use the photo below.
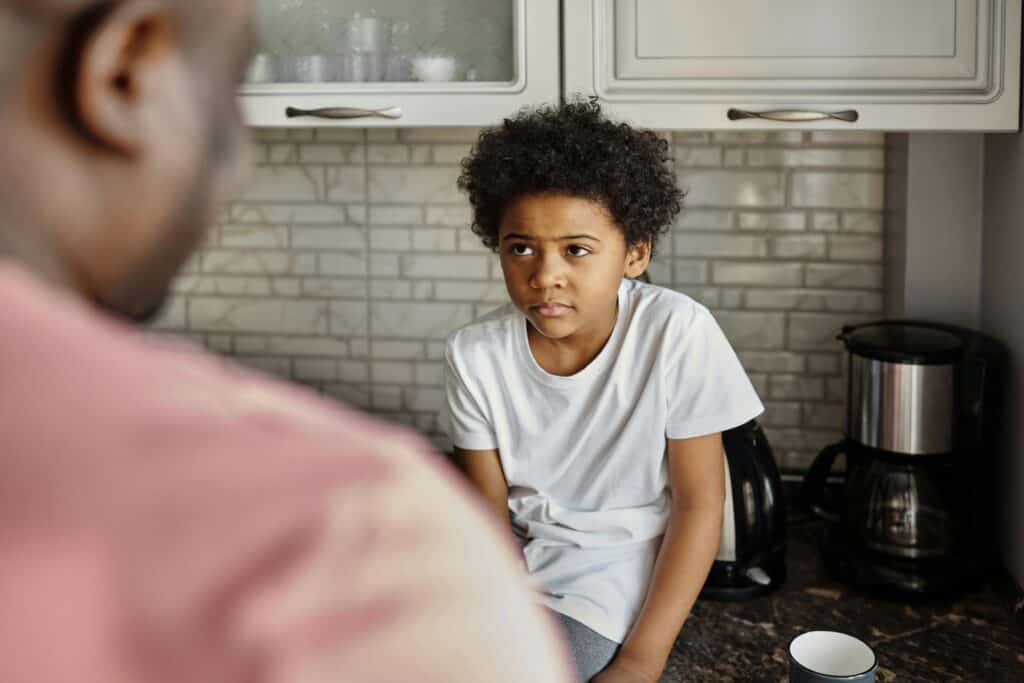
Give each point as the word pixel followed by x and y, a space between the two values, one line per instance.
pixel 584 456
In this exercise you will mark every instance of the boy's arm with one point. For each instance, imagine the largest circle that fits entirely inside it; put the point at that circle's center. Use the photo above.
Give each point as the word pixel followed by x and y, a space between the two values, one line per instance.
pixel 697 478
pixel 483 469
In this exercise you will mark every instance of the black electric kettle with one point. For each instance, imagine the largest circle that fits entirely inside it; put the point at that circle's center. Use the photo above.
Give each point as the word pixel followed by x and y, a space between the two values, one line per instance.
pixel 752 552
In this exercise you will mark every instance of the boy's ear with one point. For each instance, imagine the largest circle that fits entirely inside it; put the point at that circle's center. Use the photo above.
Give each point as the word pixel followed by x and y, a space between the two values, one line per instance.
pixel 638 256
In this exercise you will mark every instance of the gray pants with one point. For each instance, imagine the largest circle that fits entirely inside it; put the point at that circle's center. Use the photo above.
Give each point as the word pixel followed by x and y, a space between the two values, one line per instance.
pixel 590 651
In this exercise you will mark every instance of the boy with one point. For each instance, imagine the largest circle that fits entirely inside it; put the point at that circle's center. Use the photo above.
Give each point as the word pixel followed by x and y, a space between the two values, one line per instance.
pixel 589 411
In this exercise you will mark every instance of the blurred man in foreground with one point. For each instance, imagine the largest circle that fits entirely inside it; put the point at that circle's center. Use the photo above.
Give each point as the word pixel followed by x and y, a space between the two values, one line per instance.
pixel 164 517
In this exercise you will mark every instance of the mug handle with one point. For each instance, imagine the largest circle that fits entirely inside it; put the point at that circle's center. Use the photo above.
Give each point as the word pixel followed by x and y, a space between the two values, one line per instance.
pixel 812 491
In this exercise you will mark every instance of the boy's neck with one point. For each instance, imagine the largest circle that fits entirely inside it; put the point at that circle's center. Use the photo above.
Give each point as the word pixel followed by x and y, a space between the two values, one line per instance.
pixel 569 355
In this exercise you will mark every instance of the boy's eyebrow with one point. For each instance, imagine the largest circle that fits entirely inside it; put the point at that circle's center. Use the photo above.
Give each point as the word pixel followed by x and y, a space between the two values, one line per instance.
pixel 519 236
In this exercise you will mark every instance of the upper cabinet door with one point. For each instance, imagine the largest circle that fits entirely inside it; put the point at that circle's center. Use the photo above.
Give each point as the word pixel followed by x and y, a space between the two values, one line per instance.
pixel 867 64
pixel 398 63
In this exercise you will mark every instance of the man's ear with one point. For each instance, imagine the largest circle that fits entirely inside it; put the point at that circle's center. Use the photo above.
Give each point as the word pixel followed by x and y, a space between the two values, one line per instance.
pixel 638 256
pixel 127 62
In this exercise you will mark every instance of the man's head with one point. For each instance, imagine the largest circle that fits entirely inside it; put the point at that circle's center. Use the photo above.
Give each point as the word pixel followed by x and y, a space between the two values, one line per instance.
pixel 119 135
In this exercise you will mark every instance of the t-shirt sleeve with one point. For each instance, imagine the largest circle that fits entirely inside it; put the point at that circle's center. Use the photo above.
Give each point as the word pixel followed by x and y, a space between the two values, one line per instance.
pixel 708 389
pixel 462 416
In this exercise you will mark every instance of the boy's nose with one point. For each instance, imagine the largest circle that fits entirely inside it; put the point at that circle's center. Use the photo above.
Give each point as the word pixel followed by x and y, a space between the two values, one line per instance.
pixel 548 273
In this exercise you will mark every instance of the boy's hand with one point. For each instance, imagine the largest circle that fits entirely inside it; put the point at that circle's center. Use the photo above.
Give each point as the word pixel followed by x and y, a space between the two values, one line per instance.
pixel 622 671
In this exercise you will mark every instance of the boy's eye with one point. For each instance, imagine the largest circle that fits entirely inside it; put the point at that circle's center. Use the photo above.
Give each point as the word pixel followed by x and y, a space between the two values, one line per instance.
pixel 578 250
pixel 520 250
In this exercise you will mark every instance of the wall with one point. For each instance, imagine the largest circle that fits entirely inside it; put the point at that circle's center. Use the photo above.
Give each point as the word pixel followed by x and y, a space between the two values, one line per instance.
pixel 346 259
pixel 1003 315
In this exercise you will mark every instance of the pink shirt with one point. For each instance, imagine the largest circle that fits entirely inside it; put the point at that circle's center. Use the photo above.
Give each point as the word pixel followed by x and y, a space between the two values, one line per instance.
pixel 165 516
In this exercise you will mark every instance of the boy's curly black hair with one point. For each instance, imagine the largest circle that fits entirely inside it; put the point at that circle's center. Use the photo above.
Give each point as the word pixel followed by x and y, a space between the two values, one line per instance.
pixel 573 149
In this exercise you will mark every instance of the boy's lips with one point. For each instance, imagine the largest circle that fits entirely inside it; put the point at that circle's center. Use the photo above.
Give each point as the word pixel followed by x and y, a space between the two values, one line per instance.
pixel 551 309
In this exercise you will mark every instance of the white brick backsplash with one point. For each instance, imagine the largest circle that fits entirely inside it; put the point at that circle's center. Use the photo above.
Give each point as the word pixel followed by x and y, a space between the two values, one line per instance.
pixel 410 350
pixel 354 371
pixel 424 399
pixel 689 272
pixel 781 414
pixel 258 262
pixel 867 248
pixel 335 287
pixel 453 216
pixel 279 367
pixel 349 318
pixel 384 265
pixel 391 289
pixel 843 190
pixel 346 184
pixel 391 239
pixel 396 215
pixel 326 153
pixel 755 273
pixel 433 239
pixel 796 387
pixel 254 236
pixel 811 300
pixel 697 219
pixel 855 221
pixel 817 332
pixel 387 398
pixel 430 373
pixel 824 415
pixel 281 134
pixel 339 237
pixel 736 246
pixel 830 137
pixel 441 135
pixel 798 247
pixel 342 263
pixel 419 320
pixel 854 276
pixel 283 184
pixel 779 220
pixel 758 138
pixel 470 267
pixel 414 185
pixel 752 330
pixel 772 361
pixel 298 347
pixel 734 188
pixel 347 258
pixel 491 292
pixel 316 369
pixel 392 372
pixel 823 363
pixel 841 158
pixel 697 156
pixel 258 315
pixel 450 154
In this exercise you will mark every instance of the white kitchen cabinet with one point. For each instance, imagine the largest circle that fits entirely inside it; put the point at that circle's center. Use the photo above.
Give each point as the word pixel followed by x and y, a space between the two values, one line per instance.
pixel 818 64
pixel 371 63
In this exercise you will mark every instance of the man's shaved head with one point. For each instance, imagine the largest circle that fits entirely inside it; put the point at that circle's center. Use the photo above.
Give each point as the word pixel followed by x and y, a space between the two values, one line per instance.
pixel 126 111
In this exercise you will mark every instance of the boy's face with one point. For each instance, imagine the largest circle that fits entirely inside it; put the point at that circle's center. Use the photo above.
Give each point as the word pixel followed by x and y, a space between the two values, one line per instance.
pixel 563 258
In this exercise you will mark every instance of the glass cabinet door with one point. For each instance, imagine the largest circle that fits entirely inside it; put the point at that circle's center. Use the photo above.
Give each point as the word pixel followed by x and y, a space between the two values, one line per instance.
pixel 375 54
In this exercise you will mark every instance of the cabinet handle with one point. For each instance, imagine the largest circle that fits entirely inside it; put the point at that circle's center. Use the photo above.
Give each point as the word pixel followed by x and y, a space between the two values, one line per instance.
pixel 345 113
pixel 794 115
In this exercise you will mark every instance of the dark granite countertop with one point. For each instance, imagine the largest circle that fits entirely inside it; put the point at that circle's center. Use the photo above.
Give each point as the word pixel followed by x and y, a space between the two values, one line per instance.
pixel 973 637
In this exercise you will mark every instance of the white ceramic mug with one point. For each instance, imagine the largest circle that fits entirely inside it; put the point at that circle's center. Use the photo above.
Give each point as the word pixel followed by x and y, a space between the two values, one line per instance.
pixel 829 657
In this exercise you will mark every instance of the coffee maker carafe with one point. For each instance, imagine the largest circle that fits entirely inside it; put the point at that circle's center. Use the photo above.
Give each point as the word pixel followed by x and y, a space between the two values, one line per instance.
pixel 917 510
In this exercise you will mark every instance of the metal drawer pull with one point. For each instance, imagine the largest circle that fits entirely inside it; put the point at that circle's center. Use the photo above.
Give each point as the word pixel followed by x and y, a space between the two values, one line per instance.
pixel 794 115
pixel 345 113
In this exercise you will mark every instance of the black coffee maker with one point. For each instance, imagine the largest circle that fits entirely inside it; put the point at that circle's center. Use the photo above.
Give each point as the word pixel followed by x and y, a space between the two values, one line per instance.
pixel 917 514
